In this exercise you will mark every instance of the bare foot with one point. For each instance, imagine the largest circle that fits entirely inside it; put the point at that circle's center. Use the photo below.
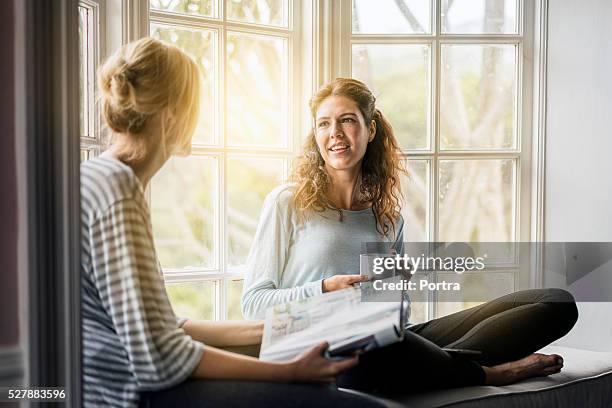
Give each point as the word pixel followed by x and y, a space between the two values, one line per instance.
pixel 535 365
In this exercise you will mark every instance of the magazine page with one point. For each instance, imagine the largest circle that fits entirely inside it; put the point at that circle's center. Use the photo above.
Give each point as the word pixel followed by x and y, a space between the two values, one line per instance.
pixel 294 327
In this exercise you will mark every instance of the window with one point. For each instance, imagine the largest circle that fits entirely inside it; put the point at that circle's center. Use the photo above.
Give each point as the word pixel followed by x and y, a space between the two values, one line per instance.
pixel 205 207
pixel 449 75
pixel 90 35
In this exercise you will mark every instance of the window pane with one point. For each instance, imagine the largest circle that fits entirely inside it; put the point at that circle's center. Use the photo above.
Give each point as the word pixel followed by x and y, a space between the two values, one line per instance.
pixel 182 201
pixel 476 199
pixel 479 17
pixel 420 300
pixel 88 153
pixel 266 12
pixel 257 96
pixel 194 300
pixel 234 292
pixel 86 72
pixel 198 7
pixel 476 288
pixel 398 75
pixel 478 97
pixel 200 45
pixel 415 188
pixel 391 17
pixel 249 180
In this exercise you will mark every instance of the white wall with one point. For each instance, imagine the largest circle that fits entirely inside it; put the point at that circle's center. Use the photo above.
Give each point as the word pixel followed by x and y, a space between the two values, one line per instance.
pixel 579 120
pixel 579 145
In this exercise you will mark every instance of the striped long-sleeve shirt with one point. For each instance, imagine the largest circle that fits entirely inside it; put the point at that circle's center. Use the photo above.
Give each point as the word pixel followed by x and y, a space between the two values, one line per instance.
pixel 132 340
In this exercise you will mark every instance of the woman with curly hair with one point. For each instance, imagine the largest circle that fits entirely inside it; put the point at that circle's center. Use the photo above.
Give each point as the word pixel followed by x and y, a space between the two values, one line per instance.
pixel 345 190
pixel 345 185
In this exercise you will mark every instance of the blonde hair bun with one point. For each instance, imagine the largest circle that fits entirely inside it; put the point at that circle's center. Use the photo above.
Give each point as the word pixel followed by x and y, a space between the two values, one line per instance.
pixel 118 95
pixel 145 78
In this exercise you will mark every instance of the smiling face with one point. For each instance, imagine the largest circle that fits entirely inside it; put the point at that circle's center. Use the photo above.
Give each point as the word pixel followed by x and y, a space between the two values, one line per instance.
pixel 342 134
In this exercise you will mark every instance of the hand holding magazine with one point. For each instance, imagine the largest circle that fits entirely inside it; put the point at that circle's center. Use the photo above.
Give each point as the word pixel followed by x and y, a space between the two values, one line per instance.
pixel 341 318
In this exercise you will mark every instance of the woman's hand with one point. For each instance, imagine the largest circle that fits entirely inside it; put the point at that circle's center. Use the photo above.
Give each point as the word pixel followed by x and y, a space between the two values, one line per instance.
pixel 338 282
pixel 313 367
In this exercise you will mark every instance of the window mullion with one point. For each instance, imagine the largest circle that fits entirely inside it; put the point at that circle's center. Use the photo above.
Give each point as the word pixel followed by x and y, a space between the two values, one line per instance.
pixel 220 300
pixel 221 138
pixel 182 21
pixel 435 167
pixel 222 250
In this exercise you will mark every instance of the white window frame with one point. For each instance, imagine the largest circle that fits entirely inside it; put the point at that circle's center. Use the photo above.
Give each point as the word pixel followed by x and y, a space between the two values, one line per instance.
pixel 221 274
pixel 322 28
pixel 528 187
pixel 94 141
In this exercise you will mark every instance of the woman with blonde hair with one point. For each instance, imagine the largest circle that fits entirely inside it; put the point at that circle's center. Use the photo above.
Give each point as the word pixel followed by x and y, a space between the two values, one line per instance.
pixel 345 191
pixel 135 351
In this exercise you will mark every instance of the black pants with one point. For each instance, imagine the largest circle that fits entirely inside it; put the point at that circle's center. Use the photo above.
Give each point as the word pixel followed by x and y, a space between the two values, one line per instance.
pixel 504 329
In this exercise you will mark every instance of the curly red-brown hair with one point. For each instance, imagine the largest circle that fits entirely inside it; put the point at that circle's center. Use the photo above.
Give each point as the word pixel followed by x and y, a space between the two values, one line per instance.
pixel 380 170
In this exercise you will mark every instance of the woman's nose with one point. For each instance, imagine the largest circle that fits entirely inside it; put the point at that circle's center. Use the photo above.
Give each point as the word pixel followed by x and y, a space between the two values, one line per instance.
pixel 335 130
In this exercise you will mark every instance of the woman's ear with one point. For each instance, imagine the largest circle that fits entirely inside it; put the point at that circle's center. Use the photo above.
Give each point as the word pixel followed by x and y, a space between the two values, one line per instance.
pixel 372 131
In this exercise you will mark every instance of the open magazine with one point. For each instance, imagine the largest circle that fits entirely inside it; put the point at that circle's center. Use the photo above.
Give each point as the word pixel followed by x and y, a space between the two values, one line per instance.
pixel 338 317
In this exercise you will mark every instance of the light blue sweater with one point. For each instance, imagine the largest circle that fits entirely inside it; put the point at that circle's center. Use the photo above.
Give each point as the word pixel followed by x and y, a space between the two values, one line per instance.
pixel 289 259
